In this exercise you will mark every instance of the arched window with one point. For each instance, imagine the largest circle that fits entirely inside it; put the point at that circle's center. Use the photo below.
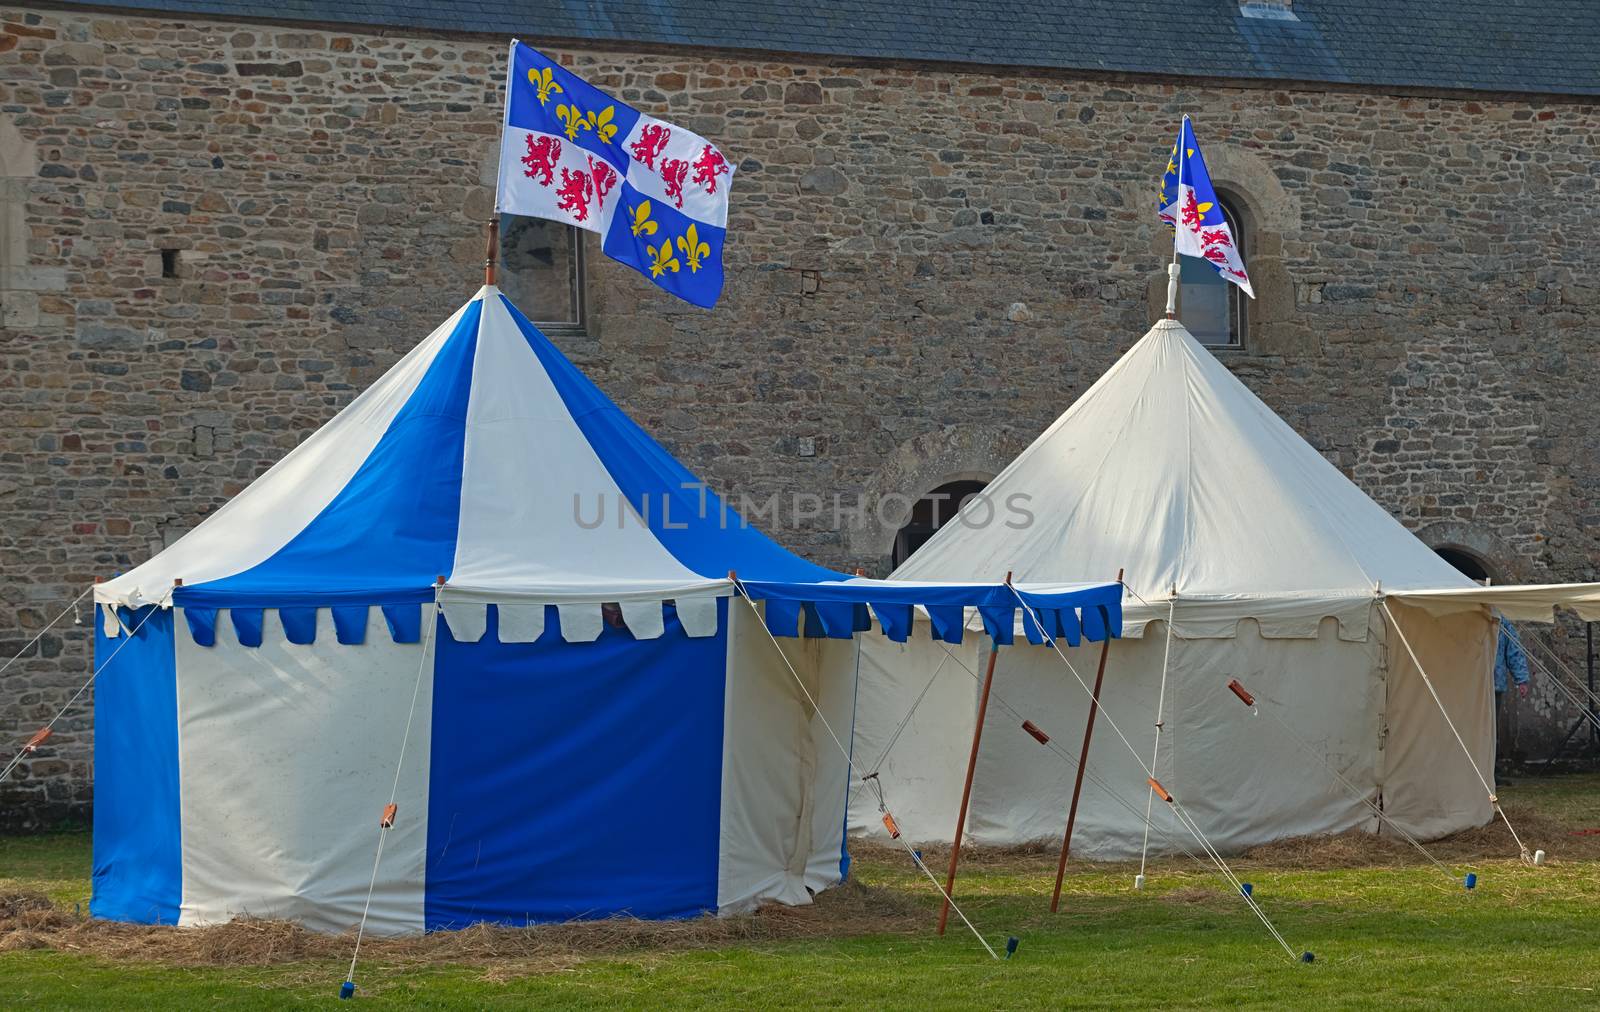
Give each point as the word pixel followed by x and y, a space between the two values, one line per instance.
pixel 1466 563
pixel 1213 309
pixel 930 513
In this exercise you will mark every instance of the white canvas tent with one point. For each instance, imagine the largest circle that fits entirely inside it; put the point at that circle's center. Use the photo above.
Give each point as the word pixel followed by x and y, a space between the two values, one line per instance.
pixel 1274 569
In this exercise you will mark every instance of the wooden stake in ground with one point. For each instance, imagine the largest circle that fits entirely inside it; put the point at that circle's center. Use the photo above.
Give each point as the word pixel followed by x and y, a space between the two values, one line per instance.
pixel 966 788
pixel 1083 761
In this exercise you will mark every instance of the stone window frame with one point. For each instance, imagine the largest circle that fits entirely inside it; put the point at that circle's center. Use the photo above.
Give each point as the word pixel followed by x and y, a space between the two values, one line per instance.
pixel 579 325
pixel 19 163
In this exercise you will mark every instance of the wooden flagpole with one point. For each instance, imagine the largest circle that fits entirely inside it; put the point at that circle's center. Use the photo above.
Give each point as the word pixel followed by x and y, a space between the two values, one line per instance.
pixel 966 788
pixel 1083 762
pixel 491 251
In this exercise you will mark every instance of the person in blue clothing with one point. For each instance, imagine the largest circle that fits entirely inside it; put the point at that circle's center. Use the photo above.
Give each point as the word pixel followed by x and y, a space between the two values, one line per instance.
pixel 1510 666
pixel 1510 663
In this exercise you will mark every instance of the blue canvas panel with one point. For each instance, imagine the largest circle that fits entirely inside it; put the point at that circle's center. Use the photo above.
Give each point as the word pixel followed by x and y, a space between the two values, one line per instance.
pixel 138 863
pixel 202 625
pixel 575 780
pixel 404 622
pixel 996 603
pixel 392 529
pixel 350 624
pixel 247 624
pixel 299 624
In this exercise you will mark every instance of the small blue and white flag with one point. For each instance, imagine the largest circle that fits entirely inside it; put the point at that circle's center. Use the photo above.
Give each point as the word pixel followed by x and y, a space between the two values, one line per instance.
pixel 1189 205
pixel 656 193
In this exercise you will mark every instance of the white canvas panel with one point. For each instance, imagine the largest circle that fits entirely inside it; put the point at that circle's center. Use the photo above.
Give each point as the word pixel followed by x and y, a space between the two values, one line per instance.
pixel 1429 787
pixel 1242 780
pixel 698 614
pixel 254 524
pixel 521 623
pixel 580 623
pixel 835 665
pixel 768 767
pixel 554 539
pixel 287 756
pixel 1532 603
pixel 643 619
pixel 921 775
pixel 467 619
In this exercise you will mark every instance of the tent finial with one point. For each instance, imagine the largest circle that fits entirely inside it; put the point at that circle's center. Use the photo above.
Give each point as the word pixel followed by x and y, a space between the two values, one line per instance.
pixel 491 252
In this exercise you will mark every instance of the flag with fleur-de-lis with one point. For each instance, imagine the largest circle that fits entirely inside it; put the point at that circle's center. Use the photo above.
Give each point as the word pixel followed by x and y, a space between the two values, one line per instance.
pixel 1189 205
pixel 656 193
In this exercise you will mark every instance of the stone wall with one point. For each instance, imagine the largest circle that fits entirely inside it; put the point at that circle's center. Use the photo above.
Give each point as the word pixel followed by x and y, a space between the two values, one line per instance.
pixel 1425 311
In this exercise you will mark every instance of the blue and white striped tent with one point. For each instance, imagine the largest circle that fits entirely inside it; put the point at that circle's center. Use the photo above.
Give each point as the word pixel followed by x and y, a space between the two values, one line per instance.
pixel 592 721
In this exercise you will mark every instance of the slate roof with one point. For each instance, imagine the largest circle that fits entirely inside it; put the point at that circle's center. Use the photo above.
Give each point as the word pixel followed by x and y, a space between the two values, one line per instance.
pixel 1531 46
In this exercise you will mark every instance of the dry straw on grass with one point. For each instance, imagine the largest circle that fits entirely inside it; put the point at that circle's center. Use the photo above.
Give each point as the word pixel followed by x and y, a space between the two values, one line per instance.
pixel 31 921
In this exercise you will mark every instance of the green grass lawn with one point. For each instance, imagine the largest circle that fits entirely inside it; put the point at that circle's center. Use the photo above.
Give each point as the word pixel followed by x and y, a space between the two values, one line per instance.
pixel 1391 932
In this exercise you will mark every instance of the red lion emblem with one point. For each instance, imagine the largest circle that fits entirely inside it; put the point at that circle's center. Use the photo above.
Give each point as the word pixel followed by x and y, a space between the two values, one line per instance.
pixel 605 180
pixel 1215 255
pixel 651 140
pixel 673 173
pixel 575 192
pixel 1215 237
pixel 708 167
pixel 1191 213
pixel 543 153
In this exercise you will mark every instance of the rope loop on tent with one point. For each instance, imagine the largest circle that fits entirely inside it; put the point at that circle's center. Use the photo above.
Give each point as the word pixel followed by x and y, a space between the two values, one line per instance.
pixel 1522 848
pixel 390 810
pixel 38 737
pixel 872 778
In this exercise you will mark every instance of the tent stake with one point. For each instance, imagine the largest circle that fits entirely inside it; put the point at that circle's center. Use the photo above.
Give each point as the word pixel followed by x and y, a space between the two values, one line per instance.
pixel 966 788
pixel 1077 783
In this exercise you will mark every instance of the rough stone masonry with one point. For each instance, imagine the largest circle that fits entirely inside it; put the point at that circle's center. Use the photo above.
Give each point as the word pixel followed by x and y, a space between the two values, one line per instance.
pixel 213 234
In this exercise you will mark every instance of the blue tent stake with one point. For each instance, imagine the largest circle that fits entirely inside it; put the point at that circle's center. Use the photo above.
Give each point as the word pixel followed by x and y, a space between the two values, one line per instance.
pixel 1306 957
pixel 1471 881
pixel 347 989
pixel 1247 889
pixel 1011 946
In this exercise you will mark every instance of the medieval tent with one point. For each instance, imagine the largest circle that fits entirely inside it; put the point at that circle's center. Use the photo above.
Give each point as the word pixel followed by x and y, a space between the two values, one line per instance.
pixel 482 594
pixel 1265 564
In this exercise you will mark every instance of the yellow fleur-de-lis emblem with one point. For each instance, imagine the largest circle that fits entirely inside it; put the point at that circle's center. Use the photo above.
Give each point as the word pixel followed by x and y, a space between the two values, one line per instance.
pixel 573 117
pixel 602 125
pixel 543 82
pixel 662 259
pixel 692 248
pixel 642 225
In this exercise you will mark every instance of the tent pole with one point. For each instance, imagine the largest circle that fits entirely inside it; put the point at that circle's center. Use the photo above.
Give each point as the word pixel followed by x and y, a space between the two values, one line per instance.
pixel 966 788
pixel 1083 761
pixel 491 252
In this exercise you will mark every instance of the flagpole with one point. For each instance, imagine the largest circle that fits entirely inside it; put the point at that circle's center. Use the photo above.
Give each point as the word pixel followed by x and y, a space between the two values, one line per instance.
pixel 1177 220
